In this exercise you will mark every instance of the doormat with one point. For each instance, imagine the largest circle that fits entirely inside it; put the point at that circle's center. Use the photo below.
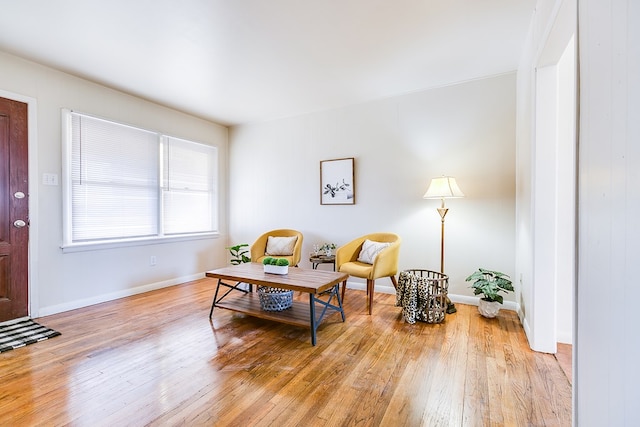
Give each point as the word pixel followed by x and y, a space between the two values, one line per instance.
pixel 24 331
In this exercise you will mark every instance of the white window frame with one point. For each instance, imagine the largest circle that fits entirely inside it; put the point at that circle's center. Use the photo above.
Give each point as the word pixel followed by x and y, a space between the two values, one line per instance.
pixel 68 245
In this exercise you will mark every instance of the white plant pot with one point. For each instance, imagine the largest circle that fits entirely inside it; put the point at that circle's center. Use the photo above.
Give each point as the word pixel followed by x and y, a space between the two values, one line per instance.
pixel 489 309
pixel 276 269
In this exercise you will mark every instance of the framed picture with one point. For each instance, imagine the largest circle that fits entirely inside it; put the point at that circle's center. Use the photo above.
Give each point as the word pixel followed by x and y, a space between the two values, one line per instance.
pixel 336 182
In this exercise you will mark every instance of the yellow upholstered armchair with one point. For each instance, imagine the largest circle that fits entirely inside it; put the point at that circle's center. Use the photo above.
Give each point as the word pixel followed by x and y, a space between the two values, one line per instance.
pixel 370 257
pixel 282 243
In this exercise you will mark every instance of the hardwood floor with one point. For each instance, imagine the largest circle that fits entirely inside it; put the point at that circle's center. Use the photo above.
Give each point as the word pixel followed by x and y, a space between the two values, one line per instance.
pixel 564 358
pixel 155 359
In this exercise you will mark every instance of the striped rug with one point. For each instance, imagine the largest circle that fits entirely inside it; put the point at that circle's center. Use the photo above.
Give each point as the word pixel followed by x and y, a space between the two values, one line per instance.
pixel 24 331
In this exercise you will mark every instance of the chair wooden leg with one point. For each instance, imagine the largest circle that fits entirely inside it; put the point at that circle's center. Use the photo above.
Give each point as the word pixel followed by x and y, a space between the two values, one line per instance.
pixel 344 287
pixel 370 293
pixel 394 281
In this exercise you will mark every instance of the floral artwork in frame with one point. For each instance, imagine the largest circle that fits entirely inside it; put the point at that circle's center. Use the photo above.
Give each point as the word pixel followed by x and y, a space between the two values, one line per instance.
pixel 336 182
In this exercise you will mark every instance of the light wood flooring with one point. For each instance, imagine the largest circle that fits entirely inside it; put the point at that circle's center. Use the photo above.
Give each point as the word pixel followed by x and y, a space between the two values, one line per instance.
pixel 564 358
pixel 155 359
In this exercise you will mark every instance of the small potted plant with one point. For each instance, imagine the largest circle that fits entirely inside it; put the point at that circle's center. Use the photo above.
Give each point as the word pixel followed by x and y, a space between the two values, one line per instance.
pixel 328 248
pixel 239 253
pixel 489 284
pixel 276 265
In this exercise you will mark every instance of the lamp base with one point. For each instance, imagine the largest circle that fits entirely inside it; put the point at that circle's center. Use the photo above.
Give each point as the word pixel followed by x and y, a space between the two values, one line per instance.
pixel 451 308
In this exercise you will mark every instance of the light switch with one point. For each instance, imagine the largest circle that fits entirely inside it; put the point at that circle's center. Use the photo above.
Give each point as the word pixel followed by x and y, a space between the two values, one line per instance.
pixel 50 178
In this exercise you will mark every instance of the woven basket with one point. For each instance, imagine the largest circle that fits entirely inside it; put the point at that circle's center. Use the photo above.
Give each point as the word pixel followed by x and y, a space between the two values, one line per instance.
pixel 422 294
pixel 275 299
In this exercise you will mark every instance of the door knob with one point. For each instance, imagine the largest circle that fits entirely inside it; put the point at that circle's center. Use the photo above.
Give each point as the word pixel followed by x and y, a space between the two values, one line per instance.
pixel 18 223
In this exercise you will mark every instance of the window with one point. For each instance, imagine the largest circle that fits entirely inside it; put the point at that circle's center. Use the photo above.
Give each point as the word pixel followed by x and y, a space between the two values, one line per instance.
pixel 129 184
pixel 187 186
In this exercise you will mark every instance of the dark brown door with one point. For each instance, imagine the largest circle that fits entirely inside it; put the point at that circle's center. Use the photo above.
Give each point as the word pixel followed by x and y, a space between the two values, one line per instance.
pixel 14 210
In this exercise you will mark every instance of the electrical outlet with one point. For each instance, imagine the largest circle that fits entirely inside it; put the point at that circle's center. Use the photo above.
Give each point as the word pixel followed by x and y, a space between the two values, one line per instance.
pixel 153 260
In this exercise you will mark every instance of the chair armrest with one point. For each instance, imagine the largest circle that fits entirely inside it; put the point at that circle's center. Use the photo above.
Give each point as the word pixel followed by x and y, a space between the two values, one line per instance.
pixel 258 247
pixel 386 262
pixel 297 251
pixel 348 252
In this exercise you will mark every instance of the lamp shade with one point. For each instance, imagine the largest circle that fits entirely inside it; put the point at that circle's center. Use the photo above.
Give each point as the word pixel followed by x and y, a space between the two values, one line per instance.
pixel 443 187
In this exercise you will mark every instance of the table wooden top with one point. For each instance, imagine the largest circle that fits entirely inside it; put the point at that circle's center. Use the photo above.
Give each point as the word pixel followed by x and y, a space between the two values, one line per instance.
pixel 322 259
pixel 298 279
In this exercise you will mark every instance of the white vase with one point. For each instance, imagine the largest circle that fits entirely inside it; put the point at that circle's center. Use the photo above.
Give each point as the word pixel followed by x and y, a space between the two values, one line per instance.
pixel 276 269
pixel 489 309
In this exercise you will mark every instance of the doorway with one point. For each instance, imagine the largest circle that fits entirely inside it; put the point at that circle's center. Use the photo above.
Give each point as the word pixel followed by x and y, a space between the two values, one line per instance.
pixel 555 199
pixel 14 210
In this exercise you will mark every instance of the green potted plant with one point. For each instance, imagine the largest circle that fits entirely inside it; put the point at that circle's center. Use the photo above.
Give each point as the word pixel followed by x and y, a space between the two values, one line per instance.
pixel 276 265
pixel 239 253
pixel 489 284
pixel 328 248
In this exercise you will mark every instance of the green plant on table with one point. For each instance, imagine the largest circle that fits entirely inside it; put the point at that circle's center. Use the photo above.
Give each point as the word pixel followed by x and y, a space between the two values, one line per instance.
pixel 489 283
pixel 275 261
pixel 239 253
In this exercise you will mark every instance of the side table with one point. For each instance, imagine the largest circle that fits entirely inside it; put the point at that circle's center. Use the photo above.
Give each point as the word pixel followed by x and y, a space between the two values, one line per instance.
pixel 316 260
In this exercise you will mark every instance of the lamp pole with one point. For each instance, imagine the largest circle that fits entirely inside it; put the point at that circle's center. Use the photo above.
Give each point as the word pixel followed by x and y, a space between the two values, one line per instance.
pixel 442 211
pixel 451 308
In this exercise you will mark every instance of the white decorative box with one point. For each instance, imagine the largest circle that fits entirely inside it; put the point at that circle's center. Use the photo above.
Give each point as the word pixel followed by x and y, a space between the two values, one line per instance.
pixel 276 269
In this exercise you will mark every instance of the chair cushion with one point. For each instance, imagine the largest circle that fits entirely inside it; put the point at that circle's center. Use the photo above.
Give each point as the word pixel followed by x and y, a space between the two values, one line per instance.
pixel 357 269
pixel 370 250
pixel 281 245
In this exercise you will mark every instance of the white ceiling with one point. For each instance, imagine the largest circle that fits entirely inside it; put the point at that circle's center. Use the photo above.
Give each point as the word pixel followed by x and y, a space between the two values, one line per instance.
pixel 239 61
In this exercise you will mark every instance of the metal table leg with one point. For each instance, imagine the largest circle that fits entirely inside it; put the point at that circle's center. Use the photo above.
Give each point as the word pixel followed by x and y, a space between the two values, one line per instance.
pixel 312 313
pixel 231 288
pixel 327 305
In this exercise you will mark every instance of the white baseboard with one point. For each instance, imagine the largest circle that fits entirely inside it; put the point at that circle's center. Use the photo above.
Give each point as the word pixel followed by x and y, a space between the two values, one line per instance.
pixel 565 337
pixel 73 305
pixel 362 286
pixel 465 299
pixel 462 299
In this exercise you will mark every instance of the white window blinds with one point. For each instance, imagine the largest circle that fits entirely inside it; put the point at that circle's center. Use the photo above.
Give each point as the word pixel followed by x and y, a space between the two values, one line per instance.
pixel 129 183
pixel 188 186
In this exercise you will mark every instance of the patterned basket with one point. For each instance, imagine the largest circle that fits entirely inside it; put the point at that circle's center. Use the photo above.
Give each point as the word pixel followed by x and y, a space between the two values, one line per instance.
pixel 422 294
pixel 274 299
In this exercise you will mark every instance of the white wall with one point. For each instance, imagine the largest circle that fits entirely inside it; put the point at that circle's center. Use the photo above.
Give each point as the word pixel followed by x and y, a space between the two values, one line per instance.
pixel 64 281
pixel 608 343
pixel 399 144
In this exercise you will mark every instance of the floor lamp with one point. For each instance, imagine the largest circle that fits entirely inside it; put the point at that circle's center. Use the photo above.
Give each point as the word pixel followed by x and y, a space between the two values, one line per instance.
pixel 443 187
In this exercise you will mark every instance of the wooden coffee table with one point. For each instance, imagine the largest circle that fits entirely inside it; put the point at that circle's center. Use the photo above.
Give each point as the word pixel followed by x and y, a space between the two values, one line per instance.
pixel 316 283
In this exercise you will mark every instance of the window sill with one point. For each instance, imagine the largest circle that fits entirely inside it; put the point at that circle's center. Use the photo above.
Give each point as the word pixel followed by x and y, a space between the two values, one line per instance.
pixel 114 244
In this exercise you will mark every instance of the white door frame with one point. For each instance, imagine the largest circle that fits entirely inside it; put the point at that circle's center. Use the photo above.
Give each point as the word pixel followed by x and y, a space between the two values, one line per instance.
pixel 554 207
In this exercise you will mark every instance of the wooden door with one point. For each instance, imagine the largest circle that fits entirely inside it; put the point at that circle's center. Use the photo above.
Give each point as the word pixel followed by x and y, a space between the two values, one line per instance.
pixel 14 210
